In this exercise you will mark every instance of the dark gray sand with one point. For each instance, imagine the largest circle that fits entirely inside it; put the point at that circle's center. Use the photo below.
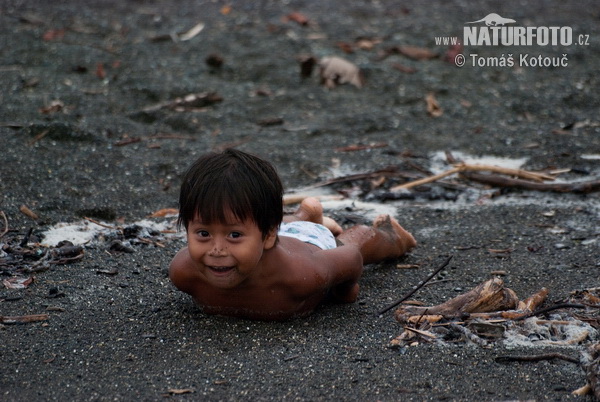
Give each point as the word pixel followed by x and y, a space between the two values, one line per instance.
pixel 79 138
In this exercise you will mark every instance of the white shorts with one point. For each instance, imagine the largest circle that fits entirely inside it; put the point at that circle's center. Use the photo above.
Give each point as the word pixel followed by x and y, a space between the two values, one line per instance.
pixel 308 232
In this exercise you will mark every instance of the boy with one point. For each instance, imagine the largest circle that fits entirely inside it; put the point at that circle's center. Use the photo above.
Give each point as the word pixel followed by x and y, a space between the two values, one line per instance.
pixel 245 259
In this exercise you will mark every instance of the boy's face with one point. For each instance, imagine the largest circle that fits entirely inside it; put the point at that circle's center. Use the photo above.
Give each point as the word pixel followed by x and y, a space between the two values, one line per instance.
pixel 227 253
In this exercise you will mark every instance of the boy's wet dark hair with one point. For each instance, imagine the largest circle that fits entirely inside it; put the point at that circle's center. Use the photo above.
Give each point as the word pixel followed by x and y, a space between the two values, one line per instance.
pixel 232 180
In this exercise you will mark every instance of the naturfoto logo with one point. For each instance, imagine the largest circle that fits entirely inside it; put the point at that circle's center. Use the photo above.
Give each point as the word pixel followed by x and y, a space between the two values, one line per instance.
pixel 495 32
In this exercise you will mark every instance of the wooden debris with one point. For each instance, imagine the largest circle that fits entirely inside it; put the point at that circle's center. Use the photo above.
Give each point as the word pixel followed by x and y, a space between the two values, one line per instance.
pixel 23 319
pixel 28 212
pixel 193 32
pixel 419 286
pixel 487 297
pixel 536 358
pixel 187 103
pixel 361 147
pixel 161 213
pixel 417 53
pixel 180 391
pixel 297 17
pixel 5 219
pixel 433 107
pixel 17 282
pixel 583 187
pixel 412 52
pixel 464 167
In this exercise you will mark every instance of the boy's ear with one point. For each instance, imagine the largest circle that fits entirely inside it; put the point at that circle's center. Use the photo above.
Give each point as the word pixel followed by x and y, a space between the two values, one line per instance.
pixel 271 239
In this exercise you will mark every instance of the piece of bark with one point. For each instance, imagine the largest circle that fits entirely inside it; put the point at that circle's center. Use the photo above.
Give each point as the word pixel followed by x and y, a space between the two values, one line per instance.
pixel 489 296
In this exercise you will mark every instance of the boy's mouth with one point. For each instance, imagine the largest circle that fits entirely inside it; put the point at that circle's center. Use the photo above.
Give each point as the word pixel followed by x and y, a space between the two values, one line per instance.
pixel 220 270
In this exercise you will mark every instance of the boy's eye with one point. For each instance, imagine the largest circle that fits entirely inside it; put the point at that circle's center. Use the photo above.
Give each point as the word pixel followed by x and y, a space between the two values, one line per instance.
pixel 203 233
pixel 235 235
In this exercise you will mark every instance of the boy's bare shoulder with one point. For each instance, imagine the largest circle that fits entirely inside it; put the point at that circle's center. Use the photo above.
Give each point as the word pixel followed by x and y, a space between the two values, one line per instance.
pixel 305 269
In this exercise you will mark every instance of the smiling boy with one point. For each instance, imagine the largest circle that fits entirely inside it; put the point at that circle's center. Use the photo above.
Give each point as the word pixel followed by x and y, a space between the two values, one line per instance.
pixel 245 259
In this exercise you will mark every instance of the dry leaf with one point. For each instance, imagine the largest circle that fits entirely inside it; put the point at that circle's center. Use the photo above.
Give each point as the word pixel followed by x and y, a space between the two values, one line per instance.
pixel 18 282
pixel 298 18
pixel 433 108
pixel 26 211
pixel 54 34
pixel 225 10
pixel 417 53
pixel 100 72
pixel 367 43
pixel 452 52
pixel 196 29
pixel 335 70
pixel 164 212
pixel 404 69
pixel 180 391
pixel 53 107
pixel 345 47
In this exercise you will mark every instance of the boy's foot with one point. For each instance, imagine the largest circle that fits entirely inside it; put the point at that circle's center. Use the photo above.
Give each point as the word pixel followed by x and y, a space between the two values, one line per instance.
pixel 401 239
pixel 311 210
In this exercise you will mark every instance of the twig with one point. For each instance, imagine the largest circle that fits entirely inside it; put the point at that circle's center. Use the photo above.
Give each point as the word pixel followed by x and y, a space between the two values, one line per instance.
pixel 5 231
pixel 386 171
pixel 548 309
pixel 23 319
pixel 426 180
pixel 95 222
pixel 419 286
pixel 536 358
pixel 420 332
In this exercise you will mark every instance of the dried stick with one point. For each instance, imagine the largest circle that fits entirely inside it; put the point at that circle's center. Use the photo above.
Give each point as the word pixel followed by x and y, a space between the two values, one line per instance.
pixel 23 319
pixel 548 309
pixel 5 231
pixel 536 358
pixel 426 180
pixel 95 222
pixel 419 286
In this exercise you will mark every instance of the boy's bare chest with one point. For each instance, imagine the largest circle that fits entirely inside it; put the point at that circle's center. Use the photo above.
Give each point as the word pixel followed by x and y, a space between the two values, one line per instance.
pixel 267 302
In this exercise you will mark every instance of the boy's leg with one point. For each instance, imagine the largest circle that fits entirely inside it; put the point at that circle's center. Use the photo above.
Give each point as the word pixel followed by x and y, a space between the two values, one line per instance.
pixel 311 210
pixel 385 239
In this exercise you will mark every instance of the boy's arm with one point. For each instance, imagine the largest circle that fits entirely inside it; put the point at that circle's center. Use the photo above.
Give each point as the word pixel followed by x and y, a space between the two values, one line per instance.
pixel 180 270
pixel 341 267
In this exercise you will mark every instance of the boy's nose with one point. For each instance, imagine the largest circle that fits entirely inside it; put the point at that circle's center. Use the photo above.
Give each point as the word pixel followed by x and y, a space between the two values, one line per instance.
pixel 218 250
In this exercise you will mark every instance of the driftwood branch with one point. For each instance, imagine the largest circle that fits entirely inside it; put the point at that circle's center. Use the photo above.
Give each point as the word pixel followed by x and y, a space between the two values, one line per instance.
pixel 490 296
pixel 582 187
pixel 518 178
pixel 462 167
